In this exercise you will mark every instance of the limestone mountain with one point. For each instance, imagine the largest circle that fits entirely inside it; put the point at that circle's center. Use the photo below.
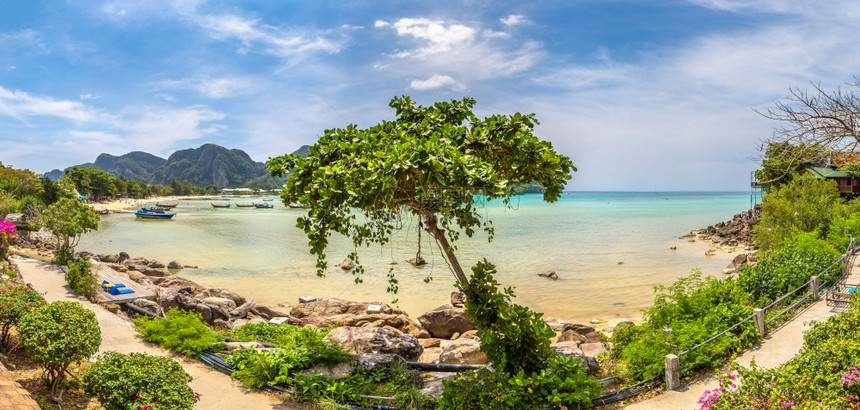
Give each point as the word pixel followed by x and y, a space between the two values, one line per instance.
pixel 209 164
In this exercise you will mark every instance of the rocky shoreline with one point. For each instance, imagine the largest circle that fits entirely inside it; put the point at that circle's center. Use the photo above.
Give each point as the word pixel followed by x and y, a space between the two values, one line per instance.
pixel 443 335
pixel 734 235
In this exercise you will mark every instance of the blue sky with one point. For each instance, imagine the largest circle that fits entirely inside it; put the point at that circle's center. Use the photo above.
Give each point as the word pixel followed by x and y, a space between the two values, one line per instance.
pixel 642 95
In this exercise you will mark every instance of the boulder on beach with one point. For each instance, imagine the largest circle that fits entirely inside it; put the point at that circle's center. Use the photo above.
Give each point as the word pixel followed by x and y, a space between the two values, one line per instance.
pixel 373 340
pixel 446 320
pixel 329 312
pixel 458 299
pixel 347 264
pixel 462 351
pixel 174 265
pixel 224 303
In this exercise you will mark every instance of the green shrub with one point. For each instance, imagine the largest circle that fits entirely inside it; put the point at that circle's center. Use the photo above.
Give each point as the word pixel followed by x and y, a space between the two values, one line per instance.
pixel 81 278
pixel 781 270
pixel 183 332
pixel 137 380
pixel 15 301
pixel 309 339
pixel 315 386
pixel 563 383
pixel 804 204
pixel 842 229
pixel 258 368
pixel 694 309
pixel 57 335
pixel 513 337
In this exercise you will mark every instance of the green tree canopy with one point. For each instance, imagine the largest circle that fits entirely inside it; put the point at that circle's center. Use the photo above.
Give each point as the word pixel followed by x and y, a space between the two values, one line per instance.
pixel 431 161
pixel 783 161
pixel 68 219
pixel 804 205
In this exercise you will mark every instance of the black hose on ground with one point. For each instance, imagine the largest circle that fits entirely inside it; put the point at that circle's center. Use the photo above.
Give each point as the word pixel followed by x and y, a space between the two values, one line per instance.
pixel 136 309
pixel 441 367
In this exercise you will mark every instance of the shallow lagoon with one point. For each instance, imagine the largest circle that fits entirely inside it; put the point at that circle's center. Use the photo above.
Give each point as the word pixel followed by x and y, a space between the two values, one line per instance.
pixel 609 250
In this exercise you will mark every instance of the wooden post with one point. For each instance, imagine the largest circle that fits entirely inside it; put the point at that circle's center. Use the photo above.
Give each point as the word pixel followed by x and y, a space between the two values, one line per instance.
pixel 673 372
pixel 758 318
pixel 813 284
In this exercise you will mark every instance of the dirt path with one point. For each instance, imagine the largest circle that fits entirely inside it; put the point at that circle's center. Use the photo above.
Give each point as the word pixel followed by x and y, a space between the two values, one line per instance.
pixel 217 390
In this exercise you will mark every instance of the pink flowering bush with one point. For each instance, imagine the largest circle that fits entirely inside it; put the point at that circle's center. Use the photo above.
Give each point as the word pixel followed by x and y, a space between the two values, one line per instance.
pixel 8 236
pixel 825 374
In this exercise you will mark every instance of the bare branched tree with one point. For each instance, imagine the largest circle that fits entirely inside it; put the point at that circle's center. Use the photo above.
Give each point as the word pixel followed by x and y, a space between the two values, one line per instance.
pixel 816 125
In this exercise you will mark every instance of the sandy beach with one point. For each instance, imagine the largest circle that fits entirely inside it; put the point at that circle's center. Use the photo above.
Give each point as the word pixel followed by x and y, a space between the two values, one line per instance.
pixel 131 204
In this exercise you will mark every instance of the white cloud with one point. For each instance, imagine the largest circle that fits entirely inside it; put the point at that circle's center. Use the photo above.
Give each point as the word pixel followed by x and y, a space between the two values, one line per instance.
pixel 95 138
pixel 513 20
pixel 436 81
pixel 20 105
pixel 495 34
pixel 380 23
pixel 440 38
pixel 253 34
pixel 89 96
pixel 10 68
pixel 216 88
pixel 165 127
pixel 438 45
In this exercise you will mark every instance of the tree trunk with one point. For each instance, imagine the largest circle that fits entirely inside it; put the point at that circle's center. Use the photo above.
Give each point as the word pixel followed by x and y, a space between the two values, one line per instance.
pixel 431 226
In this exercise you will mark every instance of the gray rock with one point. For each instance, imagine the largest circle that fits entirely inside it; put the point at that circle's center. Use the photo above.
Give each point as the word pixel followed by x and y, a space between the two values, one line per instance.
pixel 328 312
pixel 458 299
pixel 243 310
pixel 462 351
pixel 433 383
pixel 122 257
pixel 114 258
pixel 555 324
pixel 149 306
pixel 417 261
pixel 156 265
pixel 174 265
pixel 267 312
pixel 367 363
pixel 347 264
pixel 592 349
pixel 572 336
pixel 567 349
pixel 204 311
pixel 549 274
pixel 370 340
pixel 230 347
pixel 224 303
pixel 337 372
pixel 445 320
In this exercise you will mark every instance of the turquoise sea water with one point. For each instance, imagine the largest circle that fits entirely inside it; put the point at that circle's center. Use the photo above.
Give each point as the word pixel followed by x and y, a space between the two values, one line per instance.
pixel 608 248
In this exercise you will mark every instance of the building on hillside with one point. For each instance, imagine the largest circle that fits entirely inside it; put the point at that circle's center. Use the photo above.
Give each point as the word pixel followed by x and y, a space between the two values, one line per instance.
pixel 848 184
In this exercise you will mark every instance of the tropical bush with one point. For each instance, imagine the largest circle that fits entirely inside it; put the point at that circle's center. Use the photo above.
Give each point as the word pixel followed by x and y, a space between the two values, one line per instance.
pixel 81 278
pixel 513 337
pixel 563 383
pixel 8 236
pixel 692 310
pixel 56 335
pixel 181 331
pixel 783 269
pixel 308 340
pixel 804 204
pixel 138 381
pixel 843 228
pixel 15 301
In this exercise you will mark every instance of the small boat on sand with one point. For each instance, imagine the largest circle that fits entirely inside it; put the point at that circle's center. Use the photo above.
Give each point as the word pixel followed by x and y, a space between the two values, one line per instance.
pixel 167 206
pixel 263 205
pixel 153 213
pixel 244 205
pixel 214 205
pixel 297 206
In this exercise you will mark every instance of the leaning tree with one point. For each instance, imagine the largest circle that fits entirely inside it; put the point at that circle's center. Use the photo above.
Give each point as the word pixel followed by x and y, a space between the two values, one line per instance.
pixel 435 162
pixel 68 219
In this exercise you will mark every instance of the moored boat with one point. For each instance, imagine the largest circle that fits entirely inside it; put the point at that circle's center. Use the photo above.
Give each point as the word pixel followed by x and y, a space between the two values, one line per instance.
pixel 263 205
pixel 244 205
pixel 167 206
pixel 154 213
pixel 214 205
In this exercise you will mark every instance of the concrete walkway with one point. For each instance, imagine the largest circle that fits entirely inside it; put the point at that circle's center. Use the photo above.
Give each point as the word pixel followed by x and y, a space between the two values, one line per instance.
pixel 217 390
pixel 778 347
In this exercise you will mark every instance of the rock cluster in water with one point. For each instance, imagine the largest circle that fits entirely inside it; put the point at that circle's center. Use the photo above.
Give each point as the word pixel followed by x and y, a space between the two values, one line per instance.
pixel 736 232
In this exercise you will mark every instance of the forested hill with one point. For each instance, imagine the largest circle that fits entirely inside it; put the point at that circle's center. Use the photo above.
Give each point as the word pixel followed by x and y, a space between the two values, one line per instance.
pixel 209 164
